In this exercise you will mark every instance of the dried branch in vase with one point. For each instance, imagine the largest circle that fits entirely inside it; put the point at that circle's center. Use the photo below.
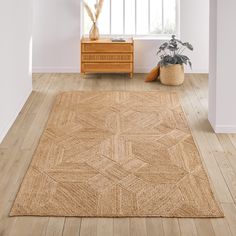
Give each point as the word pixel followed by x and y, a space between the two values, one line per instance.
pixel 94 15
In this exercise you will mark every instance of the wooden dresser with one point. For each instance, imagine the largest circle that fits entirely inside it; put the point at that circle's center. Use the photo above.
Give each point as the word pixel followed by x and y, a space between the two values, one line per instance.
pixel 105 56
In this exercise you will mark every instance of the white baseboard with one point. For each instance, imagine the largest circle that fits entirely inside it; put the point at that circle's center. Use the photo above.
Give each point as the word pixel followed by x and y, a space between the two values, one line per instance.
pixel 142 69
pixel 221 129
pixel 76 70
pixel 137 69
pixel 225 129
pixel 197 71
pixel 6 127
pixel 56 69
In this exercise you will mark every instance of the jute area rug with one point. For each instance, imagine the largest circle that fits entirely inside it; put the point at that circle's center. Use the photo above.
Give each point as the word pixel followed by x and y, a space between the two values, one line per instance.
pixel 116 154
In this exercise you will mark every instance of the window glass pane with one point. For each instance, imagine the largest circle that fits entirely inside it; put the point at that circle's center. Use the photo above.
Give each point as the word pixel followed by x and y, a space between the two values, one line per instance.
pixel 129 17
pixel 169 16
pixel 155 16
pixel 104 18
pixel 87 20
pixel 142 17
pixel 117 17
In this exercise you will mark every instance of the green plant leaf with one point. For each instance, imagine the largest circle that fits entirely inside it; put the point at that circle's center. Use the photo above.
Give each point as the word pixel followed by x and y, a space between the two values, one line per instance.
pixel 172 52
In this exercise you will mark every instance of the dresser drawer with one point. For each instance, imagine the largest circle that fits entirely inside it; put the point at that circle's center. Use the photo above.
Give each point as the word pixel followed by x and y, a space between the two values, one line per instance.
pixel 107 57
pixel 107 67
pixel 105 47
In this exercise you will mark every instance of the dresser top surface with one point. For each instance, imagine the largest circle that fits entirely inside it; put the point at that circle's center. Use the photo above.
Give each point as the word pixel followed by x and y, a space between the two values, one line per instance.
pixel 104 40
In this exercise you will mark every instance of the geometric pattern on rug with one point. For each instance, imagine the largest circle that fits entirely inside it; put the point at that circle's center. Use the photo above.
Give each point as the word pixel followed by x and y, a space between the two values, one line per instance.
pixel 116 154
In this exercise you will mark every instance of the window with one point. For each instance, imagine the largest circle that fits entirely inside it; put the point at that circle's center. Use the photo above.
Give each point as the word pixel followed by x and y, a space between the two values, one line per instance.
pixel 135 17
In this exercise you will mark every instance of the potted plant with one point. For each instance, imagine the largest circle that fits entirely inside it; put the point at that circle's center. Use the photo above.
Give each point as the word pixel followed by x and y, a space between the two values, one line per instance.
pixel 172 61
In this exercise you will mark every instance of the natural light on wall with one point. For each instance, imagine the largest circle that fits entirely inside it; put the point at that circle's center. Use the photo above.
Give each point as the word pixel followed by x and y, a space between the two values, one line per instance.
pixel 135 17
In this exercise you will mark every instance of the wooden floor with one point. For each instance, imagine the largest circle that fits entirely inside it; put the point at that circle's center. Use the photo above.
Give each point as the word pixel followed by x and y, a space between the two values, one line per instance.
pixel 218 152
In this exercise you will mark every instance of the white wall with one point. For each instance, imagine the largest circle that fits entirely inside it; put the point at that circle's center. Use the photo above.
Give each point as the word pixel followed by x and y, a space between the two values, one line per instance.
pixel 222 95
pixel 57 36
pixel 194 18
pixel 212 63
pixel 56 33
pixel 15 59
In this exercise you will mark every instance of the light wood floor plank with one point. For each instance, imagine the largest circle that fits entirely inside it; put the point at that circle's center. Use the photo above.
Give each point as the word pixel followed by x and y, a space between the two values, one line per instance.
pixel 24 226
pixel 154 227
pixel 121 227
pixel 55 226
pixel 221 144
pixel 233 139
pixel 72 226
pixel 227 143
pixel 138 227
pixel 17 148
pixel 88 227
pixel 171 227
pixel 229 148
pixel 35 131
pixel 230 216
pixel 221 227
pixel 105 227
pixel 227 171
pixel 204 227
pixel 187 227
pixel 198 124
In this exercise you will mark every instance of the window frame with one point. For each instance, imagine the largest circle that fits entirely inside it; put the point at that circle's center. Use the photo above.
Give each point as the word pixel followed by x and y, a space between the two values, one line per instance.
pixel 137 36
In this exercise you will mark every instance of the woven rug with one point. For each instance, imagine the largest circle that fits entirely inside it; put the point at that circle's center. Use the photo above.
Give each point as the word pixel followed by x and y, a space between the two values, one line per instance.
pixel 116 154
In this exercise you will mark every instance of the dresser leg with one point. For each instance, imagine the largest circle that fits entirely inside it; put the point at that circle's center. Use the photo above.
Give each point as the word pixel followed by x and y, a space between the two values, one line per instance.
pixel 131 75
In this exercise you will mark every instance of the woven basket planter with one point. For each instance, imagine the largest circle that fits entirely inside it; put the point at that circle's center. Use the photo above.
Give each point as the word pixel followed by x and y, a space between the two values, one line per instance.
pixel 172 75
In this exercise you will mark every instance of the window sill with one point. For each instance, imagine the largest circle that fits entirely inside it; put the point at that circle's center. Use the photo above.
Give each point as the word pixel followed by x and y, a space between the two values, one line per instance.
pixel 159 38
pixel 137 37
